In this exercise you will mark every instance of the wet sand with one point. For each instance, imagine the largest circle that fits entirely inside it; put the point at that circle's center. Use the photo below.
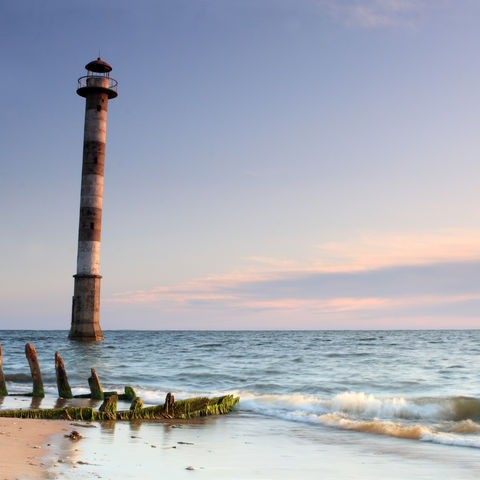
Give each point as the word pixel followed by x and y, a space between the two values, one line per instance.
pixel 241 447
pixel 24 443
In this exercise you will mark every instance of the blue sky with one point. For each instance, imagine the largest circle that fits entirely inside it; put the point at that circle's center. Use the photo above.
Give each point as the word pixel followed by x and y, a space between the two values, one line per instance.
pixel 270 163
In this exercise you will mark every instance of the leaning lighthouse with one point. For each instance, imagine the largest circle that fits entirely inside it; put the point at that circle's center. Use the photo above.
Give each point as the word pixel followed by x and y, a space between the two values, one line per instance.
pixel 97 87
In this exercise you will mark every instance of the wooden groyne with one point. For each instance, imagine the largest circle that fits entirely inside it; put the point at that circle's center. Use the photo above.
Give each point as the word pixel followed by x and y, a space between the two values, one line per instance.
pixel 182 409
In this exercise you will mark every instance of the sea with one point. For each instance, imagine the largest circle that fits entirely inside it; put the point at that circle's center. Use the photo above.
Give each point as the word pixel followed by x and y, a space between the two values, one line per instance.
pixel 313 404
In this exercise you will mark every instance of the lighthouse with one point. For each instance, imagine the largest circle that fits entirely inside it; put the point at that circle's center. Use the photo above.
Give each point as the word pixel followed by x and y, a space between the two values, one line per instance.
pixel 97 87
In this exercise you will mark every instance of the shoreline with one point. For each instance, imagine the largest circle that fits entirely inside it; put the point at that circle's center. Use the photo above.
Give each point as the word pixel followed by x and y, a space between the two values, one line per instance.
pixel 236 446
pixel 25 443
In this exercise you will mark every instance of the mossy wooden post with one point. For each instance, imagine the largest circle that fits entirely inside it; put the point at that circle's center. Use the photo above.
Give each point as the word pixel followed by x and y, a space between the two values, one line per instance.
pixel 64 390
pixel 109 407
pixel 130 393
pixel 169 404
pixel 32 358
pixel 185 409
pixel 3 385
pixel 137 404
pixel 95 386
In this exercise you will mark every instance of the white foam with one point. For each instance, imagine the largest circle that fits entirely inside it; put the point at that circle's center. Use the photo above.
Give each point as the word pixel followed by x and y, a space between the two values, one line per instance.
pixel 271 403
pixel 452 439
pixel 359 403
pixel 356 404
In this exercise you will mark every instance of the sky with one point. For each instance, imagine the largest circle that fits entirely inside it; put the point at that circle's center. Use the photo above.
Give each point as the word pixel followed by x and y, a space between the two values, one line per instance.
pixel 270 164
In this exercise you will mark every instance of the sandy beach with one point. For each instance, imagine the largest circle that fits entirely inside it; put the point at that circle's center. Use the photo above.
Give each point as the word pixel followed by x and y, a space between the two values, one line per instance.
pixel 235 446
pixel 24 443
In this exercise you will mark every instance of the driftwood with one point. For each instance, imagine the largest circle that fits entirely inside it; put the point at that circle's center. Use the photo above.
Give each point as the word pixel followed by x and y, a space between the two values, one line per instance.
pixel 95 386
pixel 32 358
pixel 64 390
pixel 183 409
pixel 3 385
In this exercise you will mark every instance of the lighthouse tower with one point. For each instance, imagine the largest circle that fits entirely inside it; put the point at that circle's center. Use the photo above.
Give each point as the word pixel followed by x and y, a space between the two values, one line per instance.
pixel 97 87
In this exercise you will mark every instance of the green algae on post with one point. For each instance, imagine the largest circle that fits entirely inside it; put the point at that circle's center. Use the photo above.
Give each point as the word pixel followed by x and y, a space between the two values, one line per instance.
pixel 183 409
pixel 137 404
pixel 200 407
pixel 109 407
pixel 129 394
pixel 70 413
pixel 189 408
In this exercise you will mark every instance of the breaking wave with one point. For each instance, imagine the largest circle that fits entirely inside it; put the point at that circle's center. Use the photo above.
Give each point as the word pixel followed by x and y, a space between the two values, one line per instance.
pixel 363 405
pixel 448 421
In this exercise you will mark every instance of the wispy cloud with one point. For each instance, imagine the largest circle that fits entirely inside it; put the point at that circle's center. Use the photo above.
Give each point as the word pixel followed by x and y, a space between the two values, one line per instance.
pixel 370 251
pixel 375 276
pixel 373 13
pixel 273 262
pixel 349 304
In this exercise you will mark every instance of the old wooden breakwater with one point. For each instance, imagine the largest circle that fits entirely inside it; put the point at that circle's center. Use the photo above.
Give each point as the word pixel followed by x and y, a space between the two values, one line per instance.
pixel 189 408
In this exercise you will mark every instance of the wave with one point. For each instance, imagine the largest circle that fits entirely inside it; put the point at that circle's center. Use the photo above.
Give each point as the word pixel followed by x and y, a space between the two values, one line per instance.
pixel 465 426
pixel 369 405
pixel 399 430
pixel 364 405
pixel 378 427
pixel 448 421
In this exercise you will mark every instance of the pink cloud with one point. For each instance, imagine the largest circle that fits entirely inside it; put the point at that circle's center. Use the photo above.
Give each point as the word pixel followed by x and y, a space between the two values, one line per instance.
pixel 371 251
pixel 244 289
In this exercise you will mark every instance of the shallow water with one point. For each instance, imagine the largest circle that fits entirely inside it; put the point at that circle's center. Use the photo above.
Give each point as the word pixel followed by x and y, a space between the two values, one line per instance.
pixel 350 393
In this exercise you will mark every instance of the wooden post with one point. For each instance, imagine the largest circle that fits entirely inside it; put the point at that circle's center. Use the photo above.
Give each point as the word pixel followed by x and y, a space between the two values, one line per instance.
pixel 109 407
pixel 32 358
pixel 189 408
pixel 169 404
pixel 3 385
pixel 137 404
pixel 129 394
pixel 64 390
pixel 95 386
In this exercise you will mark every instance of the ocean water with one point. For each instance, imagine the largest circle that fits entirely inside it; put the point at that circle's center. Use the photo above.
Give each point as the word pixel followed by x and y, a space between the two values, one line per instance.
pixel 378 398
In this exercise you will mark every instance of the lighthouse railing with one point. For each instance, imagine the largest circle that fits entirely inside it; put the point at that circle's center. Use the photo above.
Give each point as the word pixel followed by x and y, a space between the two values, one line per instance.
pixel 98 81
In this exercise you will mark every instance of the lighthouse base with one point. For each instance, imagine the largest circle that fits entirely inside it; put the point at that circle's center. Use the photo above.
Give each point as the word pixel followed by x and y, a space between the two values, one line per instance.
pixel 86 309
